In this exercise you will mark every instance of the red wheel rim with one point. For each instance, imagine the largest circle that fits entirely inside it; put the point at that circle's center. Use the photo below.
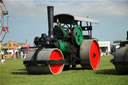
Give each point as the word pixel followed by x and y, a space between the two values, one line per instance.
pixel 94 55
pixel 56 55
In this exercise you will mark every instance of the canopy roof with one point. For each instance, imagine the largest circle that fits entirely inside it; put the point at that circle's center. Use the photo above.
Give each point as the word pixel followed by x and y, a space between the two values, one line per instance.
pixel 70 19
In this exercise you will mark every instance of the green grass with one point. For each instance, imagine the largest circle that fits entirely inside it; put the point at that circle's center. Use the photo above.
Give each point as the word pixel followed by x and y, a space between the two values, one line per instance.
pixel 13 73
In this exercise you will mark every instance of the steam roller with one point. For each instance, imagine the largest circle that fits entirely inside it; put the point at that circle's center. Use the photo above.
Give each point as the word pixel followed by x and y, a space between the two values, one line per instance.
pixel 65 46
pixel 120 60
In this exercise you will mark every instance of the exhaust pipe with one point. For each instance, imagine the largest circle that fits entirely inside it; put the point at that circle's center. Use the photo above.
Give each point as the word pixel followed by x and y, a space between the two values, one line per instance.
pixel 50 10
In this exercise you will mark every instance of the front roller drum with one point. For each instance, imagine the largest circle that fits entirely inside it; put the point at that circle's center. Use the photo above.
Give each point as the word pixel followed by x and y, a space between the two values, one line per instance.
pixel 121 60
pixel 90 54
pixel 44 61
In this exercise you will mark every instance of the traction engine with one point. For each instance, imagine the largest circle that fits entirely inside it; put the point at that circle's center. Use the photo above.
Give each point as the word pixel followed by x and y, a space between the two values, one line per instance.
pixel 65 45
pixel 120 60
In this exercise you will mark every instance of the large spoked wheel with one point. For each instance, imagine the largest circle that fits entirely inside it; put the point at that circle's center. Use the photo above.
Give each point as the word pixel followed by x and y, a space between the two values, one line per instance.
pixel 44 56
pixel 89 54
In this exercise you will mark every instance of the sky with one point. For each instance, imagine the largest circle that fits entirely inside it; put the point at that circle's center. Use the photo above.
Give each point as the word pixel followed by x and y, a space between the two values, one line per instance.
pixel 28 18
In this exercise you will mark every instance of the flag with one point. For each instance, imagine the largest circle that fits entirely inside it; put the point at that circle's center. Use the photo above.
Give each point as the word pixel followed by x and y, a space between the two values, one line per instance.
pixel 6 29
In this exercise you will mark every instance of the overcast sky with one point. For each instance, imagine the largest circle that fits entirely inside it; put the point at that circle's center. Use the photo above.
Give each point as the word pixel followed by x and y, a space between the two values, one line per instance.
pixel 28 18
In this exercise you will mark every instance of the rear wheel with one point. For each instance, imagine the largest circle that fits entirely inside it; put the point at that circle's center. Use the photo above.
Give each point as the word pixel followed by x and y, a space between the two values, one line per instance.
pixel 89 54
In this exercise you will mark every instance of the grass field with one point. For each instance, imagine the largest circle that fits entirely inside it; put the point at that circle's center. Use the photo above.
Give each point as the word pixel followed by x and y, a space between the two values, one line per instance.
pixel 13 73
